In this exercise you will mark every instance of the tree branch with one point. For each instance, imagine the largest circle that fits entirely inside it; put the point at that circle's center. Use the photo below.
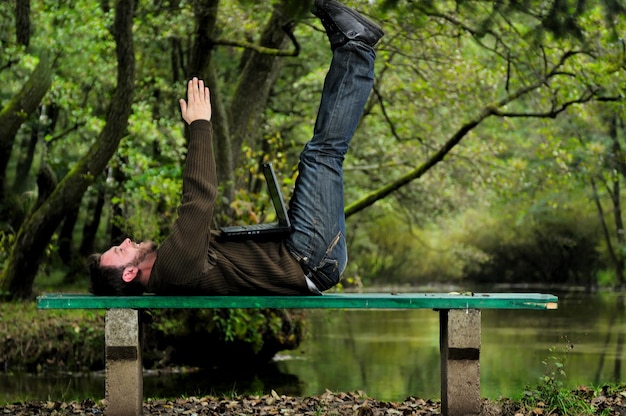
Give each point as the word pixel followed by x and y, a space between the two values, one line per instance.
pixel 262 49
pixel 486 112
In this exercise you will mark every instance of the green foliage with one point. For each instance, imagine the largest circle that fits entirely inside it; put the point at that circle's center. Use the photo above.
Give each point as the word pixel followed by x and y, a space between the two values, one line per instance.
pixel 551 241
pixel 439 67
pixel 241 324
pixel 36 340
pixel 389 250
pixel 6 240
pixel 252 204
pixel 237 336
pixel 606 278
pixel 550 395
pixel 554 239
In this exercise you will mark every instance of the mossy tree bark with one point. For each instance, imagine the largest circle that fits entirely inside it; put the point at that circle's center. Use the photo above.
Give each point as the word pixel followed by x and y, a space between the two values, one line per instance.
pixel 19 108
pixel 35 233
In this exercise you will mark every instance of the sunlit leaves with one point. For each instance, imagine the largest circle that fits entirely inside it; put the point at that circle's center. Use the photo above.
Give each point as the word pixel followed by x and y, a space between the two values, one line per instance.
pixel 440 65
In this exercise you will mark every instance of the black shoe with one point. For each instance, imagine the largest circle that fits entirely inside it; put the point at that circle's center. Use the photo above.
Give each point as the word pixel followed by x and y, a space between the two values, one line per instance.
pixel 343 24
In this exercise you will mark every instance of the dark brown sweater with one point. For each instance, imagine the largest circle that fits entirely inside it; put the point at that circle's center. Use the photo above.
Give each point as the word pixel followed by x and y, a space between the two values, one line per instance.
pixel 193 260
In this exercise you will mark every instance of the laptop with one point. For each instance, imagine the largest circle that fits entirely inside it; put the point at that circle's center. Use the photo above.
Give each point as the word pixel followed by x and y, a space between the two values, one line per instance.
pixel 282 225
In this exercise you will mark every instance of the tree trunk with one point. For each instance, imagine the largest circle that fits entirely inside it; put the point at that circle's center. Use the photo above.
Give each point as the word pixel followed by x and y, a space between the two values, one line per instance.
pixel 90 228
pixel 25 161
pixel 617 156
pixel 36 232
pixel 22 22
pixel 240 122
pixel 43 122
pixel 66 239
pixel 613 255
pixel 13 115
pixel 259 74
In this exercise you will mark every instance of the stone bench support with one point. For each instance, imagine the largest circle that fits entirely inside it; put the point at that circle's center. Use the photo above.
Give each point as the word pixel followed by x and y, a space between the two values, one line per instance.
pixel 460 361
pixel 124 370
pixel 460 333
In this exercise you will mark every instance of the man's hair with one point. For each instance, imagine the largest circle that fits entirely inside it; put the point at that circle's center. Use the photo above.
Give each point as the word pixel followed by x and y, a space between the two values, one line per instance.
pixel 107 281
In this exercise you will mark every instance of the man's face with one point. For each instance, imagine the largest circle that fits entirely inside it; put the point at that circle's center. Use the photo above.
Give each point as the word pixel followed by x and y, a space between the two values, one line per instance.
pixel 128 252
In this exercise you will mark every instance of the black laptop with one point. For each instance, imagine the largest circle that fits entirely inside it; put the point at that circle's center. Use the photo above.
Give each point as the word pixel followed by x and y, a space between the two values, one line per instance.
pixel 282 225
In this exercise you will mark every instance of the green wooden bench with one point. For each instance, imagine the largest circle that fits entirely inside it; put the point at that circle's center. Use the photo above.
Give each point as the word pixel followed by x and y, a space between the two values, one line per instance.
pixel 460 333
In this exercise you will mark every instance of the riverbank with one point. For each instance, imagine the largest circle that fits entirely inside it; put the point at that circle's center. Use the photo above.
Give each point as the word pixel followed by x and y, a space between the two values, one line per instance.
pixel 583 401
pixel 377 356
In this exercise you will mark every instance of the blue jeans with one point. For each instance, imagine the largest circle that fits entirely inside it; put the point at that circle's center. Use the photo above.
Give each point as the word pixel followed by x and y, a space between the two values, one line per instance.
pixel 316 208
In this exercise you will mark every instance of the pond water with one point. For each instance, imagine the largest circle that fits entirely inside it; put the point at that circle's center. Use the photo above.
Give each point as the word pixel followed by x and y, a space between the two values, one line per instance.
pixel 391 355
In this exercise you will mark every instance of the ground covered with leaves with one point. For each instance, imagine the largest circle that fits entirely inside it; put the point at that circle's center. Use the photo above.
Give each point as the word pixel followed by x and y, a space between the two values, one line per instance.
pixel 335 404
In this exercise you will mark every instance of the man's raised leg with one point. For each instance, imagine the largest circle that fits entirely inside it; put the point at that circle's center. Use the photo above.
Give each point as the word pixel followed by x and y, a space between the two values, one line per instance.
pixel 317 205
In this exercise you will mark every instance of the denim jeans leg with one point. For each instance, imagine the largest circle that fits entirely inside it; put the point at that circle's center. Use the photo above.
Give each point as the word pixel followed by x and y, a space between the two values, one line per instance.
pixel 317 205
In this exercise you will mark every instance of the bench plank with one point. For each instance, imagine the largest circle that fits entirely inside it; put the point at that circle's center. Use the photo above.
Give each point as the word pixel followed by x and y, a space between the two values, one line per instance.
pixel 459 338
pixel 327 301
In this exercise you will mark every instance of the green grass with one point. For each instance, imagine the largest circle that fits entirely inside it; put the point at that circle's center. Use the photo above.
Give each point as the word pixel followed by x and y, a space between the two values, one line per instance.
pixel 551 397
pixel 34 340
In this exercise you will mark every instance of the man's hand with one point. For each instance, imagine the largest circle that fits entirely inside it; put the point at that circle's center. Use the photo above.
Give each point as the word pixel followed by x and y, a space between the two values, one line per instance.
pixel 198 104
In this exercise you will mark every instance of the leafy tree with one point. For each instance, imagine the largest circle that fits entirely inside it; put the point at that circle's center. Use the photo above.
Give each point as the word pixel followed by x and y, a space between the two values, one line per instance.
pixel 37 229
pixel 518 76
pixel 448 73
pixel 486 88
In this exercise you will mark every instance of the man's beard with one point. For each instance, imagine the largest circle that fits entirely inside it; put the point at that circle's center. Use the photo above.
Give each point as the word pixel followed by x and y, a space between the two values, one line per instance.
pixel 144 251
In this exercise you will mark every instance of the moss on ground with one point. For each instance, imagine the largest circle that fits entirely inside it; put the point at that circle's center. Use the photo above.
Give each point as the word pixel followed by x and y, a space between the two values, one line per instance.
pixel 36 340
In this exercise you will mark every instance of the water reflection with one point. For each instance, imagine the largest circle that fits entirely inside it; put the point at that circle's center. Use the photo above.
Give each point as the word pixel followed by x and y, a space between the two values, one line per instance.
pixel 394 354
pixel 66 387
pixel 391 355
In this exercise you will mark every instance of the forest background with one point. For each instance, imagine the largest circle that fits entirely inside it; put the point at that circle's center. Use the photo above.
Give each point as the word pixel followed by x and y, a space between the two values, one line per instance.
pixel 490 151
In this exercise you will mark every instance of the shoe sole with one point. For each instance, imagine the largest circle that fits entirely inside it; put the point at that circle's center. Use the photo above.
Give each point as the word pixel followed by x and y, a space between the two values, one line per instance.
pixel 376 29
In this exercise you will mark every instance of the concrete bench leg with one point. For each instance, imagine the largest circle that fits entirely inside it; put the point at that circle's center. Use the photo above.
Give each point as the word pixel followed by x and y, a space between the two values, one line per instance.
pixel 460 366
pixel 124 370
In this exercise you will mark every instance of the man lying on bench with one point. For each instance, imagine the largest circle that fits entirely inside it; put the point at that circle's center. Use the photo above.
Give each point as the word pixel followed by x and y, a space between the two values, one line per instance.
pixel 194 260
